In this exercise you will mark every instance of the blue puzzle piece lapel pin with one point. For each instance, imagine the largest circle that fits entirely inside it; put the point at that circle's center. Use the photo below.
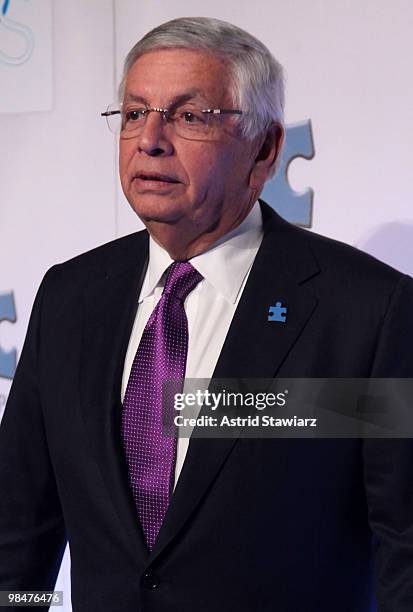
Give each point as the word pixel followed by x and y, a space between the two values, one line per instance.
pixel 277 313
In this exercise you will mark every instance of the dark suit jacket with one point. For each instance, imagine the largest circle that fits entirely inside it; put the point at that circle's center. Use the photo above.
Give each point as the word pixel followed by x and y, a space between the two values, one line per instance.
pixel 281 525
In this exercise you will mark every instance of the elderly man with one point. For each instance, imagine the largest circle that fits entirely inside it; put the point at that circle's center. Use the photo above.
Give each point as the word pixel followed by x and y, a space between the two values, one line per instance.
pixel 159 524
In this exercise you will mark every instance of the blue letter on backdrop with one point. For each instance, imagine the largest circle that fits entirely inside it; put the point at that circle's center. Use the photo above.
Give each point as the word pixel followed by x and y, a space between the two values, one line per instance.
pixel 7 313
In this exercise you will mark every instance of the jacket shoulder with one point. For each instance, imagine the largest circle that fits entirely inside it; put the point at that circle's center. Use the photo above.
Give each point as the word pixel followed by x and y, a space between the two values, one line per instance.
pixel 344 259
pixel 335 258
pixel 106 254
pixel 339 273
pixel 122 254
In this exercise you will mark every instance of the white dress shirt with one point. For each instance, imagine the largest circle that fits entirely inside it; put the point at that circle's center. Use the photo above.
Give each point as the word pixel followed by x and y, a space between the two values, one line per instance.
pixel 209 307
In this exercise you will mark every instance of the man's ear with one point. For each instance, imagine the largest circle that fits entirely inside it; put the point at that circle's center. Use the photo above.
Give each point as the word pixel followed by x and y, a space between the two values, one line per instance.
pixel 268 152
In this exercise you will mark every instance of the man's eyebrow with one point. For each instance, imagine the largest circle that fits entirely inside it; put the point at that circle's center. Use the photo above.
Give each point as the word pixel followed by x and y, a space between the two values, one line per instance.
pixel 132 98
pixel 179 99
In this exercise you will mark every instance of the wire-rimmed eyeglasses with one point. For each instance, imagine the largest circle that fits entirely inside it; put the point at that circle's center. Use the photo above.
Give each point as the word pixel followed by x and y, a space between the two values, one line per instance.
pixel 188 122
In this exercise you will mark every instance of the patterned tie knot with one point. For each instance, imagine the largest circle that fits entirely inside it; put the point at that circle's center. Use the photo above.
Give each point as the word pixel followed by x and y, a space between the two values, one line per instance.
pixel 181 280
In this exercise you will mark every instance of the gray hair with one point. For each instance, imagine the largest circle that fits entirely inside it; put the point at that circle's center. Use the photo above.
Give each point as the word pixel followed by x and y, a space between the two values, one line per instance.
pixel 256 76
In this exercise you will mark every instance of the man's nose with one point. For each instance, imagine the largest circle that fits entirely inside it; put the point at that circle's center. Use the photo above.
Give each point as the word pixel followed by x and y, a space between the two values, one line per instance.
pixel 153 139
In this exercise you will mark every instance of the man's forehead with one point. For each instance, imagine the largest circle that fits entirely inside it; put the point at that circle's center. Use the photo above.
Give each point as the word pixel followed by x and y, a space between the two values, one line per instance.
pixel 176 73
pixel 189 94
pixel 178 55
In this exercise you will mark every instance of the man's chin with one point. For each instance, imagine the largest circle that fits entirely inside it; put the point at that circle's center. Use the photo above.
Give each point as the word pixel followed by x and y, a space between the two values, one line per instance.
pixel 158 215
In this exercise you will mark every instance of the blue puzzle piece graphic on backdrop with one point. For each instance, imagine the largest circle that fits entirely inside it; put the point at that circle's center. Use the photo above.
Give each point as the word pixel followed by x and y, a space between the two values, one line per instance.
pixel 277 313
pixel 8 360
pixel 293 206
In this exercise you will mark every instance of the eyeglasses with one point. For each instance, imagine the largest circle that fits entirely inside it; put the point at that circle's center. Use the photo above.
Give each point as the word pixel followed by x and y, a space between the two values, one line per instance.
pixel 188 122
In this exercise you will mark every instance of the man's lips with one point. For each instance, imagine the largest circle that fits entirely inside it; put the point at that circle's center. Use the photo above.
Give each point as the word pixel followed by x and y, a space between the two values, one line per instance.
pixel 155 176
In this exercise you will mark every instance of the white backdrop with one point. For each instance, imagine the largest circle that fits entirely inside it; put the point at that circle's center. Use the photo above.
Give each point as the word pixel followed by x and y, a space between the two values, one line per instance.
pixel 348 70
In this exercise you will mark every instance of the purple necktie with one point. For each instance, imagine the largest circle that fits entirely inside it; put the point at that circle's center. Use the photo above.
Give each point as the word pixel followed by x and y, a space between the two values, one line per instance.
pixel 161 356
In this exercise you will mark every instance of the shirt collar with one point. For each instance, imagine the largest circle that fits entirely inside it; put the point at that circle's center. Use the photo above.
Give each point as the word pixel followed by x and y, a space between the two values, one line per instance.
pixel 224 265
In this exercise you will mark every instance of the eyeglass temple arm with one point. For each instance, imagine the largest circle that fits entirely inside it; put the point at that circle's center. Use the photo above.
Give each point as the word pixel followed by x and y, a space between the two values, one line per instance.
pixel 222 111
pixel 109 113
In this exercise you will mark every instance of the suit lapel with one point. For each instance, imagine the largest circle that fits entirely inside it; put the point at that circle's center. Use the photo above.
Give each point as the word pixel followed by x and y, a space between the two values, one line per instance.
pixel 254 348
pixel 281 267
pixel 110 307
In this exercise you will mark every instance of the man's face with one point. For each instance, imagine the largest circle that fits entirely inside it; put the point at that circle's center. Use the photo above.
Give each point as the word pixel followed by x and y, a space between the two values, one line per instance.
pixel 210 187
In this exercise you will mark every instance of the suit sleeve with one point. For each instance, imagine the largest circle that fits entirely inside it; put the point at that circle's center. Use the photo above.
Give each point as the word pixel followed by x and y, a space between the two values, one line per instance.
pixel 388 466
pixel 32 532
